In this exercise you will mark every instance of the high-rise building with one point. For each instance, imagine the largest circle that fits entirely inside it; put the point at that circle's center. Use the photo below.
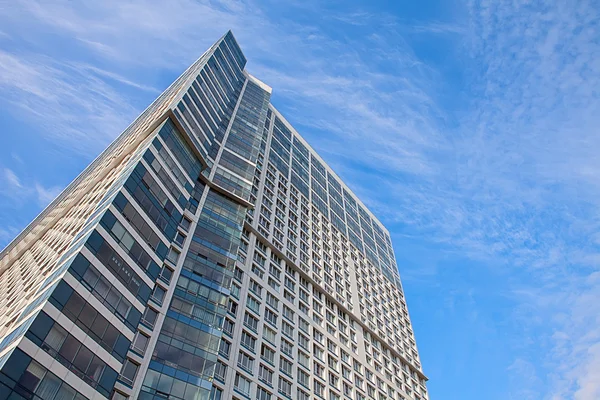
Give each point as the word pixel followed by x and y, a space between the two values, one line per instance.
pixel 207 253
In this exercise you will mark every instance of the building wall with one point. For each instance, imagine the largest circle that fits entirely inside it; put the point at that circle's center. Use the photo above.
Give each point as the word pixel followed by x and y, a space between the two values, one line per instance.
pixel 208 253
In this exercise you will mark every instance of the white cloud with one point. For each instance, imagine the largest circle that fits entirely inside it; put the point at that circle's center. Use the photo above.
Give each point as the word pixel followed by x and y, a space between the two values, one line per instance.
pixel 21 197
pixel 11 179
pixel 91 109
pixel 534 150
pixel 46 195
pixel 16 191
pixel 7 233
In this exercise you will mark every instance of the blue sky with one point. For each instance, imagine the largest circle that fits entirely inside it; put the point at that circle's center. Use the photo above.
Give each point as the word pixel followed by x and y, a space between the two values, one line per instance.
pixel 470 128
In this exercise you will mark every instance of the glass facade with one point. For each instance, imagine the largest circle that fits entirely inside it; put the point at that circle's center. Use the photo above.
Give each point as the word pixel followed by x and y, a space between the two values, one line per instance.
pixel 208 253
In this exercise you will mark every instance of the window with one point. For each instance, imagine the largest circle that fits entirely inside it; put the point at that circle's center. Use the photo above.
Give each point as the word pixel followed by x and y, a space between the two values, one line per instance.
pixel 228 326
pixel 166 274
pixel 260 260
pixel 180 239
pixel 286 347
pixel 319 388
pixel 265 374
pixel 235 290
pixel 257 271
pixel 270 316
pixel 267 354
pixel 250 321
pixel 262 394
pixel 185 224
pixel 358 381
pixel 158 294
pixel 303 308
pixel 303 359
pixel 303 341
pixel 149 317
pixel 238 273
pixel 220 371
pixel 290 271
pixel 318 320
pixel 129 371
pixel 303 324
pixel 331 346
pixel 304 283
pixel 345 357
pixel 287 329
pixel 273 283
pixel 248 341
pixel 224 348
pixel 371 391
pixel 253 304
pixel 285 366
pixel 88 319
pixel 330 330
pixel 346 372
pixel 272 301
pixel 290 284
pixel 285 387
pixel 274 271
pixel 269 334
pixel 245 361
pixel 288 296
pixel 104 291
pixel 140 342
pixel 333 380
pixel 173 255
pixel 255 288
pixel 317 307
pixel 318 336
pixel 302 395
pixel 303 378
pixel 32 376
pixel 232 307
pixel 288 313
pixel 261 246
pixel 242 384
pixel 318 369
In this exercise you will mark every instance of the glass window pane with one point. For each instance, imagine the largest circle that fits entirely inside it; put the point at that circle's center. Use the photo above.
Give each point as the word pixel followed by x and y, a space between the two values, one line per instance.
pixel 83 358
pixel 140 342
pixel 65 393
pixel 123 307
pixel 178 389
pixel 74 305
pixel 118 230
pixel 99 326
pixel 56 337
pixel 91 276
pixel 48 387
pixel 69 349
pixel 32 376
pixel 151 379
pixel 88 315
pixel 102 287
pixel 95 369
pixel 127 241
pixel 165 383
pixel 110 336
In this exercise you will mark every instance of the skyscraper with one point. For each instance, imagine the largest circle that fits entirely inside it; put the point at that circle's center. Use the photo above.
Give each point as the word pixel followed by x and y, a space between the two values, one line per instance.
pixel 207 253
